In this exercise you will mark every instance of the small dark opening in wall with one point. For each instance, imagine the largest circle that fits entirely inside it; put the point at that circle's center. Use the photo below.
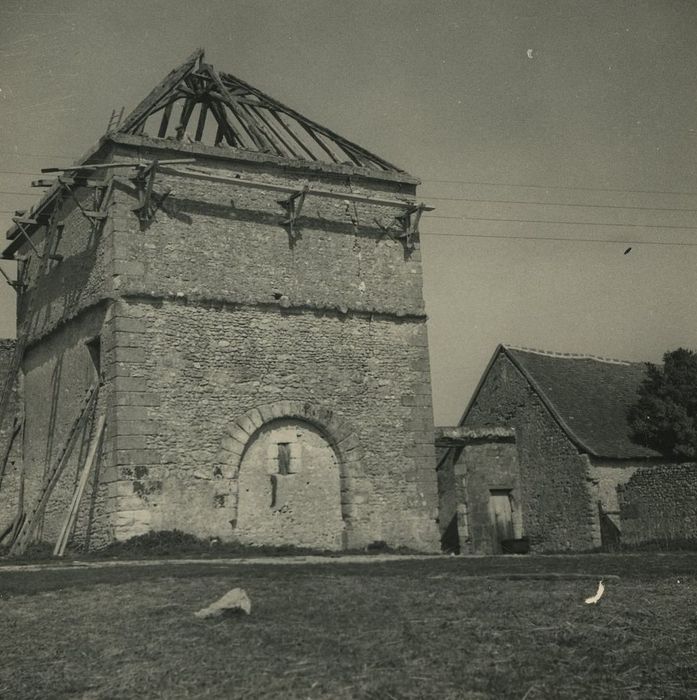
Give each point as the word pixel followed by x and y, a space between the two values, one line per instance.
pixel 284 458
pixel 95 349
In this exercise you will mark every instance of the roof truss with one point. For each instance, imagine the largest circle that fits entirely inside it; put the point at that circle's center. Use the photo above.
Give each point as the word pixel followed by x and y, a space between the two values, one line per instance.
pixel 195 103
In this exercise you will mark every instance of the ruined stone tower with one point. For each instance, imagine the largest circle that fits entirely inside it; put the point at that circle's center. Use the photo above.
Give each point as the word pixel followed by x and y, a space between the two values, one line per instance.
pixel 244 287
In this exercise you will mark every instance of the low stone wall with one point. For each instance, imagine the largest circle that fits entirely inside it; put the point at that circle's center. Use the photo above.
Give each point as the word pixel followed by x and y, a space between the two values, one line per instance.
pixel 659 505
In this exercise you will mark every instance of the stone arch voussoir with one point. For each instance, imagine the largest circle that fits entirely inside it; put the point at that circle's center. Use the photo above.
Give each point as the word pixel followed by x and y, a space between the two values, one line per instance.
pixel 340 434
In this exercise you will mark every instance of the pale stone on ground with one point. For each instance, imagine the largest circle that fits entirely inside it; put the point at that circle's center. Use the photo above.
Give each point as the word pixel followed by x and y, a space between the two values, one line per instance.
pixel 235 600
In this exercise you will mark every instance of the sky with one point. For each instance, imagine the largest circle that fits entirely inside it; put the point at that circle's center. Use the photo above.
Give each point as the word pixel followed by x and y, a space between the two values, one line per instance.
pixel 573 122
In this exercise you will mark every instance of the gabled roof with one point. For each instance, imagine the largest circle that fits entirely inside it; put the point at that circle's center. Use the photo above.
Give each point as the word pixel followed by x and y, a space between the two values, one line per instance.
pixel 196 103
pixel 588 396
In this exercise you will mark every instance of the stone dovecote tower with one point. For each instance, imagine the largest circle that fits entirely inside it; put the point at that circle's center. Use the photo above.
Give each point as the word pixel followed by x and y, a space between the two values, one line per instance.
pixel 243 286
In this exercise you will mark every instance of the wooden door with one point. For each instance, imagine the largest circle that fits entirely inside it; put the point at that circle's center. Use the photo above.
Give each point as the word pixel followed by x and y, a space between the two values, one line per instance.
pixel 501 515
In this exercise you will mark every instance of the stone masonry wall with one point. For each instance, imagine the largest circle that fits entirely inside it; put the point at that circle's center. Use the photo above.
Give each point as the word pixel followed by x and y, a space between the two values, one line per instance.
pixel 58 291
pixel 334 315
pixel 62 307
pixel 448 500
pixel 9 486
pixel 219 241
pixel 482 466
pixel 558 511
pixel 58 373
pixel 658 505
pixel 186 371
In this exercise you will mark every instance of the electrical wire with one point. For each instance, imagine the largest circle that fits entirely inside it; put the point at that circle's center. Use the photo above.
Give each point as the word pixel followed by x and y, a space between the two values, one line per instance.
pixel 560 187
pixel 428 234
pixel 562 223
pixel 558 204
pixel 580 188
pixel 35 155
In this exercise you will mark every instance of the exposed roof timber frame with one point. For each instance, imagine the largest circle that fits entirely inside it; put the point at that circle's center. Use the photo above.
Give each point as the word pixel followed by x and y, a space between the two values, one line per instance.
pixel 277 134
pixel 293 135
pixel 247 118
pixel 145 108
pixel 340 140
pixel 236 109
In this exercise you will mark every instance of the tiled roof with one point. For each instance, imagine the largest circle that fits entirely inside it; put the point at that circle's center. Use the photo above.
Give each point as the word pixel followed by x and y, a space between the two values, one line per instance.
pixel 590 397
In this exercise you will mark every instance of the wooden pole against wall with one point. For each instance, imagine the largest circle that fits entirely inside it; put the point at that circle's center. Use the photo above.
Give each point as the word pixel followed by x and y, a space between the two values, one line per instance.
pixel 69 524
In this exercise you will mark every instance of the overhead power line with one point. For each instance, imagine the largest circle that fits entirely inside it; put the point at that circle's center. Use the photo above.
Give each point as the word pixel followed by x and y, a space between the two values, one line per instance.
pixel 35 155
pixel 530 238
pixel 559 204
pixel 581 188
pixel 561 223
pixel 428 234
pixel 561 187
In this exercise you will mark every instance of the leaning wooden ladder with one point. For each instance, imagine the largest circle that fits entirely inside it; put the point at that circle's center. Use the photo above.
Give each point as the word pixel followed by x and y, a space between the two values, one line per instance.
pixel 26 531
pixel 71 516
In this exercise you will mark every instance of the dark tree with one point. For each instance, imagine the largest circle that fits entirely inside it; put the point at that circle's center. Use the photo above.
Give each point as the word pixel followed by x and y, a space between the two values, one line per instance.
pixel 665 416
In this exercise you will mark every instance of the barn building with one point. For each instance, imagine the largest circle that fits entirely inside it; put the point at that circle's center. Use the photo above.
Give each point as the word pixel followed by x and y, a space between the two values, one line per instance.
pixel 235 292
pixel 538 454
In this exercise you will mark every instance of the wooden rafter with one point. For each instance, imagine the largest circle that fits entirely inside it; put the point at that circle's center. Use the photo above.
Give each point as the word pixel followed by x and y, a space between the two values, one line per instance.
pixel 144 109
pixel 231 102
pixel 247 118
pixel 231 81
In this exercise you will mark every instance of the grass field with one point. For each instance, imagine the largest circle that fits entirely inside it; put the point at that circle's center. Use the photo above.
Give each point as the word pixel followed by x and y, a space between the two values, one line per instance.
pixel 435 628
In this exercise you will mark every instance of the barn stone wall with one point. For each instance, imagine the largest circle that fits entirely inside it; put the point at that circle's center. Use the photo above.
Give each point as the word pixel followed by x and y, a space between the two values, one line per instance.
pixel 559 511
pixel 466 478
pixel 658 505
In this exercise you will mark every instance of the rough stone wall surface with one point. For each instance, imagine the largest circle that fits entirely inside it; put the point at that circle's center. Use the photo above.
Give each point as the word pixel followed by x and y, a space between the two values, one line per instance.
pixel 58 291
pixel 296 501
pixel 558 511
pixel 448 500
pixel 9 482
pixel 212 310
pixel 215 240
pixel 659 505
pixel 57 375
pixel 482 467
pixel 61 307
pixel 607 475
pixel 192 370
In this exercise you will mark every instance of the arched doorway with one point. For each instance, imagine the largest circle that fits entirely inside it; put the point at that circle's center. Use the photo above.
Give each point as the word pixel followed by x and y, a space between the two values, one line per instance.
pixel 289 488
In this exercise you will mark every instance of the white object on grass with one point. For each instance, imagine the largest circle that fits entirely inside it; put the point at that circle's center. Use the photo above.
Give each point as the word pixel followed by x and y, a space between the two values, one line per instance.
pixel 598 594
pixel 233 601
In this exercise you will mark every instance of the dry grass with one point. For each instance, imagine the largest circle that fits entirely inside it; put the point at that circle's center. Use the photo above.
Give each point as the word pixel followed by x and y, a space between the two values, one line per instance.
pixel 439 628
